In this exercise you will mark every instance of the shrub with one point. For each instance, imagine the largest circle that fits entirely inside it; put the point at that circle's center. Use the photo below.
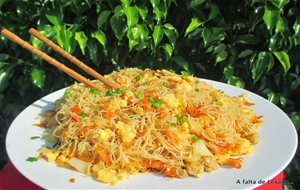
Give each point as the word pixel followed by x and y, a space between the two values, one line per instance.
pixel 252 44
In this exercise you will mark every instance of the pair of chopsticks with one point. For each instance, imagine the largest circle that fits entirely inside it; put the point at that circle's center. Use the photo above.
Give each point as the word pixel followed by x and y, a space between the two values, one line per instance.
pixel 13 37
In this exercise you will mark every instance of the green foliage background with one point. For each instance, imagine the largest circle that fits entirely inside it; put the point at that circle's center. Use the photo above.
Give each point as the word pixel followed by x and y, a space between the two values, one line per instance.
pixel 252 44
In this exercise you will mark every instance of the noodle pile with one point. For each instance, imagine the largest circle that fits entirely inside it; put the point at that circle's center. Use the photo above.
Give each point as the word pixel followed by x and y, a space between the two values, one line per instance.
pixel 157 121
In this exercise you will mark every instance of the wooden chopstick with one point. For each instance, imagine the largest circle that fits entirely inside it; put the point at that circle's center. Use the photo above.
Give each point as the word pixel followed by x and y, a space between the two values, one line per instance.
pixel 72 58
pixel 11 36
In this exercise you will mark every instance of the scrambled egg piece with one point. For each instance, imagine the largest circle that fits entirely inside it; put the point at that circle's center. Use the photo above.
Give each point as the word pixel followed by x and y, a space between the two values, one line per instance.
pixel 104 135
pixel 182 101
pixel 184 85
pixel 48 153
pixel 107 176
pixel 170 100
pixel 117 104
pixel 126 132
pixel 111 176
pixel 245 147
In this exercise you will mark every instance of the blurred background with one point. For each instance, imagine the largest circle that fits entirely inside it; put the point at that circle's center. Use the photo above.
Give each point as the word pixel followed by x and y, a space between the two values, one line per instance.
pixel 251 44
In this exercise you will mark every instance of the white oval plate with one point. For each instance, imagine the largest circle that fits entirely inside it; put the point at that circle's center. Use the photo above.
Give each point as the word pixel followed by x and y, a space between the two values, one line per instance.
pixel 277 146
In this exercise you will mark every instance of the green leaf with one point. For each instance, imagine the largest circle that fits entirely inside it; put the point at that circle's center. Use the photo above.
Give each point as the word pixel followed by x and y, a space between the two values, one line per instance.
pixel 221 56
pixel 132 16
pixel 195 3
pixel 63 37
pixel 154 3
pixel 273 97
pixel 296 120
pixel 180 61
pixel 271 17
pixel 280 3
pixel 171 33
pixel 157 35
pixel 5 75
pixel 102 18
pixel 118 25
pixel 214 11
pixel 245 53
pixel 168 49
pixel 236 81
pixel 142 12
pixel 81 38
pixel 3 57
pixel 55 16
pixel 160 12
pixel 100 36
pixel 280 26
pixel 256 16
pixel 246 39
pixel 126 2
pixel 261 64
pixel 296 26
pixel 276 42
pixel 195 23
pixel 92 46
pixel 284 59
pixel 210 35
pixel 38 77
pixel 228 71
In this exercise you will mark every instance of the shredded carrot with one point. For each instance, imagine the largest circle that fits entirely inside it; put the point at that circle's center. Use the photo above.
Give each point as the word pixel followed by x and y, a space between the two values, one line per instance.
pixel 40 125
pixel 128 145
pixel 109 114
pixel 247 103
pixel 82 131
pixel 195 111
pixel 72 180
pixel 86 159
pixel 154 164
pixel 171 172
pixel 104 156
pixel 234 162
pixel 125 120
pixel 146 104
pixel 256 119
pixel 120 80
pixel 76 110
pixel 172 135
pixel 59 160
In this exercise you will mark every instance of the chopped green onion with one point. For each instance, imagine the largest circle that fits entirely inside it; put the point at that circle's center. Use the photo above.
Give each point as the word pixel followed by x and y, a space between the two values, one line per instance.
pixel 137 78
pixel 130 115
pixel 82 114
pixel 109 93
pixel 157 104
pixel 216 100
pixel 165 84
pixel 151 100
pixel 139 95
pixel 171 124
pixel 195 138
pixel 34 137
pixel 94 91
pixel 68 94
pixel 197 90
pixel 119 91
pixel 185 74
pixel 180 119
pixel 31 159
pixel 197 81
pixel 172 71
